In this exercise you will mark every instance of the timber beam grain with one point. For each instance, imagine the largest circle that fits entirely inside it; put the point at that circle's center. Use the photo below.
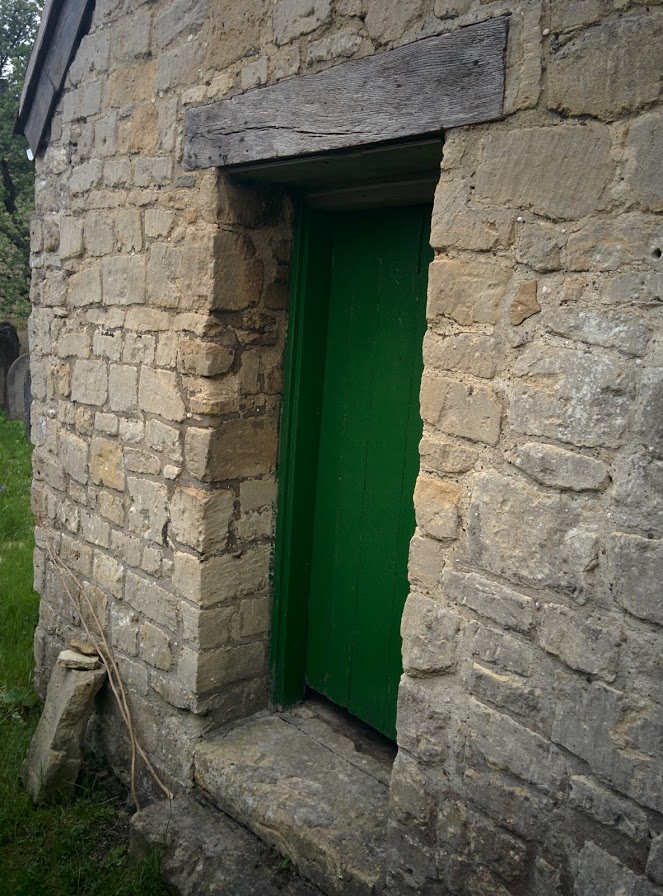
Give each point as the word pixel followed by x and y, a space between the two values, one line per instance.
pixel 421 88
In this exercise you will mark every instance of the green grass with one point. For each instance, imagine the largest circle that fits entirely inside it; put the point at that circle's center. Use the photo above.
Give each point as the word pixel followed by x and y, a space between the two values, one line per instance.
pixel 78 847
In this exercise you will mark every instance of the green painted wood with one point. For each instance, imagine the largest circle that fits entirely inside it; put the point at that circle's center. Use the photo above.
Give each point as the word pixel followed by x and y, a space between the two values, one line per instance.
pixel 300 426
pixel 367 459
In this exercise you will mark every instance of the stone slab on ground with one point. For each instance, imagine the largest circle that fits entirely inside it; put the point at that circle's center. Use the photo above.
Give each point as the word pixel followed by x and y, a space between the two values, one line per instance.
pixel 205 853
pixel 54 758
pixel 297 782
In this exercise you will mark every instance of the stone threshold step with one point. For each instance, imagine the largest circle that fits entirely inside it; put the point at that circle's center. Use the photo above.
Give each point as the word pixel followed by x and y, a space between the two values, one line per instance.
pixel 205 853
pixel 311 786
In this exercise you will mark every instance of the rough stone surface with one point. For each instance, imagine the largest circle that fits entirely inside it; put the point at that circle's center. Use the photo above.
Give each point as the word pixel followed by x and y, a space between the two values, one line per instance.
pixel 228 859
pixel 54 759
pixel 530 707
pixel 303 796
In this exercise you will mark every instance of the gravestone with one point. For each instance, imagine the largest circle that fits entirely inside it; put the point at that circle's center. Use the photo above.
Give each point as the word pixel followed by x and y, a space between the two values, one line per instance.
pixel 18 390
pixel 9 352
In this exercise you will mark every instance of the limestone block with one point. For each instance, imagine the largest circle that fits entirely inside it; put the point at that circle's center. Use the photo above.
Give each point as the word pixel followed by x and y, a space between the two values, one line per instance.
pixel 570 395
pixel 441 455
pixel 137 461
pixel 436 507
pixel 599 873
pixel 426 559
pixel 223 578
pixel 538 245
pixel 84 288
pixel 83 102
pixel 531 536
pixel 638 493
pixel 655 861
pixel 138 349
pixel 560 468
pixel 95 530
pixel 254 617
pixel 129 85
pixel 91 58
pixel 479 355
pixel 165 438
pixel 608 243
pixel 117 172
pixel 587 645
pixel 86 176
pixel 158 222
pixel 492 600
pixel 286 62
pixel 150 599
pixel 524 304
pixel 561 172
pixel 206 672
pixel 566 14
pixel 71 237
pixel 158 393
pixel 388 20
pixel 649 419
pixel 608 70
pixel 124 629
pixel 428 630
pixel 467 290
pixel 254 74
pixel 155 646
pixel 123 278
pixel 645 146
pixel 623 330
pixel 108 344
pixel 179 66
pixel 98 234
pixel 502 650
pixel 461 409
pixel 54 758
pixel 238 448
pixel 108 573
pixel 111 507
pixel 607 807
pixel 201 519
pixel 204 629
pixel 504 690
pixel 73 453
pixel 89 383
pixel 292 18
pixel 203 358
pixel 238 274
pixel 150 172
pixel 107 463
pixel 510 746
pixel 635 566
pixel 338 46
pixel 128 230
pixel 459 223
pixel 122 387
pixel 105 135
pixel 131 36
pixel 146 320
pixel 257 494
pixel 148 514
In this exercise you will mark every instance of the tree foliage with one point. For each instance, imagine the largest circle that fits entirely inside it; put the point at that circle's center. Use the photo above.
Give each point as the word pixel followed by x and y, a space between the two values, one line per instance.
pixel 19 20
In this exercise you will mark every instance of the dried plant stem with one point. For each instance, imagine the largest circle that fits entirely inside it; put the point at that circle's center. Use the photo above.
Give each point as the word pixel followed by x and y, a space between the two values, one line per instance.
pixel 103 648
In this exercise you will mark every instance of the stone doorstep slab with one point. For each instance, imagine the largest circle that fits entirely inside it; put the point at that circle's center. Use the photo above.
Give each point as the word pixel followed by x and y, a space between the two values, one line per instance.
pixel 205 853
pixel 297 781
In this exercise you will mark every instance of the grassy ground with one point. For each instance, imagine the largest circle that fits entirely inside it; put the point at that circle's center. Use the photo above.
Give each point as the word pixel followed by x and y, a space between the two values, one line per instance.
pixel 78 848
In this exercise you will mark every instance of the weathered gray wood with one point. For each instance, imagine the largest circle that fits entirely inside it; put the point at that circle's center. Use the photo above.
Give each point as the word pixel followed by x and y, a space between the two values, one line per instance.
pixel 421 88
pixel 60 30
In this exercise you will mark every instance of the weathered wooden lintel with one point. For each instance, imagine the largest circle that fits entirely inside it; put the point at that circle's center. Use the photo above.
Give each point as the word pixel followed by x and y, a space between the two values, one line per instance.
pixel 62 25
pixel 421 88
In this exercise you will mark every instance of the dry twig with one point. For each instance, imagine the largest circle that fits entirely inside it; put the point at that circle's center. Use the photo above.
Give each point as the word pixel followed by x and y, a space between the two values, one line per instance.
pixel 112 670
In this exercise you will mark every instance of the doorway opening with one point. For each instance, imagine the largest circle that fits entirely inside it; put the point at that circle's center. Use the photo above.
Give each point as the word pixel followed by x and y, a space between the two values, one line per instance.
pixel 349 448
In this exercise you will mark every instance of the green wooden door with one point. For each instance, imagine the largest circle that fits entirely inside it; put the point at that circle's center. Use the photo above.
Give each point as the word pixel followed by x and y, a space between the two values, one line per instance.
pixel 368 458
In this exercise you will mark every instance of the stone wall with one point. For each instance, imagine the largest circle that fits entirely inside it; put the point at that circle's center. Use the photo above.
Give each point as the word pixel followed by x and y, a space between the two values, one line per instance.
pixel 530 709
